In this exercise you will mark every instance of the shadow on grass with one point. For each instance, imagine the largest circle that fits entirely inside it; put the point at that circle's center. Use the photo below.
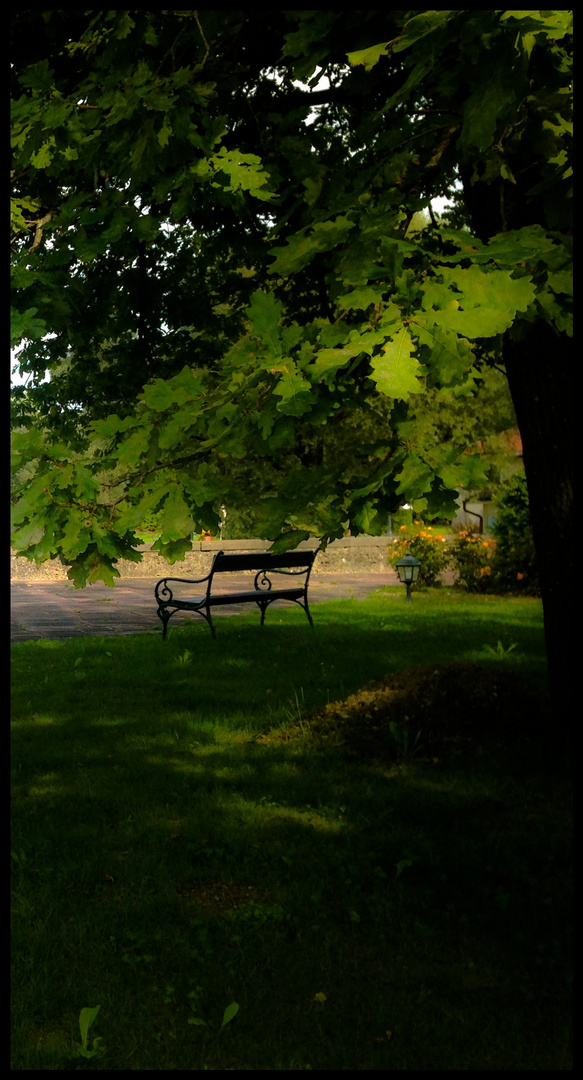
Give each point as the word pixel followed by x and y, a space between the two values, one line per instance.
pixel 166 863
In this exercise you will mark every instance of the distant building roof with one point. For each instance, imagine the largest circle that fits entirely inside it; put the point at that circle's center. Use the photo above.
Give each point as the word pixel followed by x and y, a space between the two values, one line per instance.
pixel 511 442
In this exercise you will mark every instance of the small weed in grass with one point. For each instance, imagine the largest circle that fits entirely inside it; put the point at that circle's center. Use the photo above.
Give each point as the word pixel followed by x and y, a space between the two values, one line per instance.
pixel 86 1019
pixel 293 879
pixel 499 652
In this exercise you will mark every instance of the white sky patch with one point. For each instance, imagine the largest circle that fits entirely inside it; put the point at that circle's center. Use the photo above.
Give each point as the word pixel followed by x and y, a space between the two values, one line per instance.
pixel 17 377
pixel 322 83
pixel 440 205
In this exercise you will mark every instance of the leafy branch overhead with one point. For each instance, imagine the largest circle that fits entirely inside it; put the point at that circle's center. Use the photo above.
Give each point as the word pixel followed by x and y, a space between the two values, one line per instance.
pixel 217 256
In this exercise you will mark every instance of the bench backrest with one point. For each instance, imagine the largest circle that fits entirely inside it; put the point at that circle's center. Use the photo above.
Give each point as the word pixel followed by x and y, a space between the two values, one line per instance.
pixel 262 560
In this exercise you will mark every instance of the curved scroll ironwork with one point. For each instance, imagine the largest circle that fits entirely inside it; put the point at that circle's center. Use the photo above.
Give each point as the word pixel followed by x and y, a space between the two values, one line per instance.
pixel 164 595
pixel 262 582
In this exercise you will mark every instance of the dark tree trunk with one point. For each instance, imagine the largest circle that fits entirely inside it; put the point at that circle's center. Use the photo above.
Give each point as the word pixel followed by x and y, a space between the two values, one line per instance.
pixel 540 372
pixel 540 369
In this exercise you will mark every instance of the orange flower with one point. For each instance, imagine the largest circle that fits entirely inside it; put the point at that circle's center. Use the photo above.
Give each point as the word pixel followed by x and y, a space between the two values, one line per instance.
pixel 401 527
pixel 520 576
pixel 485 543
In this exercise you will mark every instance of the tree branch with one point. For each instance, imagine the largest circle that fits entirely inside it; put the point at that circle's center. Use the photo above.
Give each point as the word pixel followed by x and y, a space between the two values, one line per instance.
pixel 436 157
pixel 39 229
pixel 206 44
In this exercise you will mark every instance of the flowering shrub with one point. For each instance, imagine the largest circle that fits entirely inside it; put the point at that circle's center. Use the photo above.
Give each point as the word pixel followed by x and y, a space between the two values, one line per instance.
pixel 482 564
pixel 472 556
pixel 427 546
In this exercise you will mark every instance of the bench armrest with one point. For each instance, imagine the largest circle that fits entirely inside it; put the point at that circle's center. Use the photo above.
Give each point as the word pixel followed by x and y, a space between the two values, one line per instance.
pixel 262 579
pixel 165 593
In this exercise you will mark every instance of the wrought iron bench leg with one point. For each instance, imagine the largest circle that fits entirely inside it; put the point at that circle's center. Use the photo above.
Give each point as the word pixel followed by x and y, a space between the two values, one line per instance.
pixel 164 616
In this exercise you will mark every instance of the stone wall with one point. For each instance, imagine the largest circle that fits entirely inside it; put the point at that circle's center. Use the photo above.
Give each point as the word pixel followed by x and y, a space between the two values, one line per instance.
pixel 351 555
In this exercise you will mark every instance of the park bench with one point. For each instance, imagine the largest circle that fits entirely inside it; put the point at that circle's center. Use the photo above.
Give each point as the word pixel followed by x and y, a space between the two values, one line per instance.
pixel 170 599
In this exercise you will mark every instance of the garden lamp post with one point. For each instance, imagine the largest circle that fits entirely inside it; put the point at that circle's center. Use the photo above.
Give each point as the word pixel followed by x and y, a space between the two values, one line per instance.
pixel 408 570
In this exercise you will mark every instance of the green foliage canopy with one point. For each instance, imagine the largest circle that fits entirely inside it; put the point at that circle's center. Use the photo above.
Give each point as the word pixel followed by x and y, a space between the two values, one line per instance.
pixel 223 257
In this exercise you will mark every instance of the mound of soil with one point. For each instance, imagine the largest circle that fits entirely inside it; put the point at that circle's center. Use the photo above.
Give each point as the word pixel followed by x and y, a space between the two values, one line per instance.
pixel 447 703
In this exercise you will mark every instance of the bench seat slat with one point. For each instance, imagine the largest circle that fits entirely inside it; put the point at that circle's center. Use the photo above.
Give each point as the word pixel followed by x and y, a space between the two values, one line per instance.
pixel 216 599
pixel 249 597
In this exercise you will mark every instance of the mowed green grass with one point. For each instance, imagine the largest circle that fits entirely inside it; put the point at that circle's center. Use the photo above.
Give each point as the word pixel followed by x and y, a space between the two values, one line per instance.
pixel 362 916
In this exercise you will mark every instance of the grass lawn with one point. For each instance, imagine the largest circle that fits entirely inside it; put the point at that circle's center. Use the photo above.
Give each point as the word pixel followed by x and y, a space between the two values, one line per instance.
pixel 175 852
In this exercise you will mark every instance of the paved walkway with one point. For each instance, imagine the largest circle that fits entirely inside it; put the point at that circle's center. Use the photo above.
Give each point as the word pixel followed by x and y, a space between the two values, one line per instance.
pixel 55 609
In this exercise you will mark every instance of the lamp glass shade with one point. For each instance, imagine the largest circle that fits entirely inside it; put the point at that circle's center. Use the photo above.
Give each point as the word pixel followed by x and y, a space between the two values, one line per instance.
pixel 408 569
